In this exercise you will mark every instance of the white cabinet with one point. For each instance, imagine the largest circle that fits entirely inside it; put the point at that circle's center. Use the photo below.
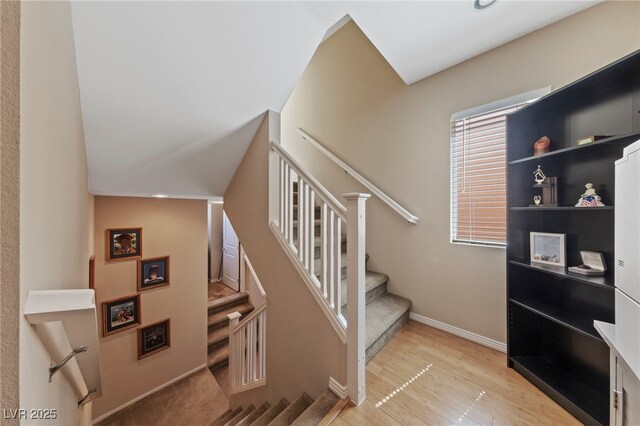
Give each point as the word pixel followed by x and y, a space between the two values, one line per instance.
pixel 625 399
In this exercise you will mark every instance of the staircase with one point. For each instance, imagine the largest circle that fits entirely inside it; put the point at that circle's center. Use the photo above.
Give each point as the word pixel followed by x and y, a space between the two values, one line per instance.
pixel 386 313
pixel 304 411
pixel 218 327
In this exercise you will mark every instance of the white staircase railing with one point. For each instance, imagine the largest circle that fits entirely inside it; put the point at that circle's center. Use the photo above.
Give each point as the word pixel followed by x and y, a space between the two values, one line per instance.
pixel 247 350
pixel 293 221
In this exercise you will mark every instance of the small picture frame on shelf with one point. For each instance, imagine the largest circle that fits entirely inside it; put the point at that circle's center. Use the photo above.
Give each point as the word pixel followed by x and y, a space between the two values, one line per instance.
pixel 153 273
pixel 154 338
pixel 547 248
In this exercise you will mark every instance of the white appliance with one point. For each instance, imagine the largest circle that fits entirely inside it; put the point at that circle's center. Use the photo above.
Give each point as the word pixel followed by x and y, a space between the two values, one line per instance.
pixel 627 255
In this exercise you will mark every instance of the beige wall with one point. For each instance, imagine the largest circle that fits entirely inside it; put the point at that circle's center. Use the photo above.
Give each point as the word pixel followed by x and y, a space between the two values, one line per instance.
pixel 55 208
pixel 177 228
pixel 303 350
pixel 352 101
pixel 9 203
pixel 215 238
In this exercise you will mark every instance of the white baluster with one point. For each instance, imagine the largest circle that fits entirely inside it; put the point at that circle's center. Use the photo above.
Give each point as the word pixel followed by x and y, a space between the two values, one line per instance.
pixel 281 201
pixel 323 248
pixel 312 234
pixel 331 258
pixel 290 205
pixel 300 220
pixel 338 266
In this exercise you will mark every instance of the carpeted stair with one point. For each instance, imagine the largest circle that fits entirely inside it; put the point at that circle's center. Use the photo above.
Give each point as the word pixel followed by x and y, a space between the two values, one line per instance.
pixel 386 313
pixel 218 327
pixel 304 411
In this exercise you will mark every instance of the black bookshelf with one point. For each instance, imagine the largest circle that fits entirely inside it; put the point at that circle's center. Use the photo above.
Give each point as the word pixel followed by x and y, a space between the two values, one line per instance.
pixel 551 340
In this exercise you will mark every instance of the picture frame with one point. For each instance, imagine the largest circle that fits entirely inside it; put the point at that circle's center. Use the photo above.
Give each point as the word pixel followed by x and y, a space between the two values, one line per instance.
pixel 154 338
pixel 124 244
pixel 121 314
pixel 548 248
pixel 153 273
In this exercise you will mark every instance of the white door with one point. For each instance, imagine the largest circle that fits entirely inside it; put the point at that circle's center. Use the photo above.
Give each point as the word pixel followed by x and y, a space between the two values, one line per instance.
pixel 231 255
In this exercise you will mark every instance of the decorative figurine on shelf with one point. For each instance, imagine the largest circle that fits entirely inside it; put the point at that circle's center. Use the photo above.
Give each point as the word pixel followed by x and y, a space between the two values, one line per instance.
pixel 538 176
pixel 541 146
pixel 537 200
pixel 589 198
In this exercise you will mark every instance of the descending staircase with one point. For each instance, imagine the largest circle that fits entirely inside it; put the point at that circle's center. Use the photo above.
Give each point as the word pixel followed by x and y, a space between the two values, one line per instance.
pixel 304 411
pixel 218 327
pixel 386 313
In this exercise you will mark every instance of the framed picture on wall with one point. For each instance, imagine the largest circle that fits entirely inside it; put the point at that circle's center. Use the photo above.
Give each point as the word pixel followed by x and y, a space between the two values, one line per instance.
pixel 154 338
pixel 124 244
pixel 548 248
pixel 153 273
pixel 121 314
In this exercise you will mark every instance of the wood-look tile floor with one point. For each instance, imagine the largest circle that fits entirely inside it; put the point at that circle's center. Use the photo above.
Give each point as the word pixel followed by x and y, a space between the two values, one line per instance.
pixel 427 376
pixel 218 290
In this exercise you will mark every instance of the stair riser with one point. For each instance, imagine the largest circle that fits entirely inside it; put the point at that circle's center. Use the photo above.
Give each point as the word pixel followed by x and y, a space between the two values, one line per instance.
pixel 223 321
pixel 375 292
pixel 219 365
pixel 229 305
pixel 386 336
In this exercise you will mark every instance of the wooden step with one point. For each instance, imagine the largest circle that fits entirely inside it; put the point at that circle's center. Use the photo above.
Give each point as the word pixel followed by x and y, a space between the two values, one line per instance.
pixel 240 416
pixel 218 359
pixel 291 413
pixel 220 317
pixel 271 413
pixel 223 303
pixel 254 415
pixel 217 335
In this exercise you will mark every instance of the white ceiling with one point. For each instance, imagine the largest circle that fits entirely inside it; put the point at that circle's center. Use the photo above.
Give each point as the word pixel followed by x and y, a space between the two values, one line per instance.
pixel 173 92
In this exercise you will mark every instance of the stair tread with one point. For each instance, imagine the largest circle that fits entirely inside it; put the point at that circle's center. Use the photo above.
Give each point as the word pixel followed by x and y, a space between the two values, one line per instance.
pixel 217 335
pixel 289 414
pixel 222 416
pixel 271 413
pixel 219 355
pixel 240 416
pixel 254 414
pixel 372 281
pixel 220 317
pixel 316 411
pixel 227 300
pixel 382 313
pixel 230 414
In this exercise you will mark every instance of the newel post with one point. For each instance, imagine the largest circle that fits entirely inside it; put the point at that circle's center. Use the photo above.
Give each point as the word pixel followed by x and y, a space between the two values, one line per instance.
pixel 234 362
pixel 356 324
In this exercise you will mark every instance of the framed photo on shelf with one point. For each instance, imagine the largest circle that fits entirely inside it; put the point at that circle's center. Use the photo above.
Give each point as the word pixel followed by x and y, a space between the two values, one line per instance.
pixel 120 314
pixel 154 338
pixel 124 244
pixel 153 273
pixel 548 248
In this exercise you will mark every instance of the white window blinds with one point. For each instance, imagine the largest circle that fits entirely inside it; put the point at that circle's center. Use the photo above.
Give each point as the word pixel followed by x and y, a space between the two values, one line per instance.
pixel 478 177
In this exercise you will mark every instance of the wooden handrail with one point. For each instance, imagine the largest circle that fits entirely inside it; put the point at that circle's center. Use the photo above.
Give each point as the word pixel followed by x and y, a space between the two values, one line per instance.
pixel 409 217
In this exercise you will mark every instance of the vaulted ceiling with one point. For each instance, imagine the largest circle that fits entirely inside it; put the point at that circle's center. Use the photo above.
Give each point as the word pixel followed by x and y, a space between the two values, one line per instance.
pixel 173 92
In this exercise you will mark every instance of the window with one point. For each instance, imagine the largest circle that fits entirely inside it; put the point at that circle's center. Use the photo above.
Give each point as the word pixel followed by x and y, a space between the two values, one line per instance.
pixel 478 171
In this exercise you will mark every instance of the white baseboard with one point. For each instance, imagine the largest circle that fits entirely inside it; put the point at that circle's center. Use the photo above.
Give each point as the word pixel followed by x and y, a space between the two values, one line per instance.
pixel 337 388
pixel 144 395
pixel 484 341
